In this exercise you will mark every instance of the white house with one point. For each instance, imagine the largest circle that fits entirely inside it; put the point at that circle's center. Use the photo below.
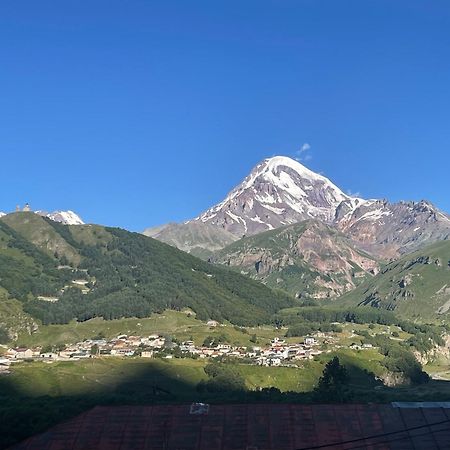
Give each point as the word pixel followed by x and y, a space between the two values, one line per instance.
pixel 21 353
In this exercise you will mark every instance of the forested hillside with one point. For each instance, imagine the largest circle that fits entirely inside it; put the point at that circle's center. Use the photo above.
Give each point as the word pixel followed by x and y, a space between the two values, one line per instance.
pixel 61 272
pixel 416 286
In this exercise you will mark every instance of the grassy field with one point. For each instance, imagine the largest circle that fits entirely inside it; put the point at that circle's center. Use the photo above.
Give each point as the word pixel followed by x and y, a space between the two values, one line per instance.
pixel 102 375
pixel 37 395
pixel 110 374
pixel 107 375
pixel 181 325
pixel 169 322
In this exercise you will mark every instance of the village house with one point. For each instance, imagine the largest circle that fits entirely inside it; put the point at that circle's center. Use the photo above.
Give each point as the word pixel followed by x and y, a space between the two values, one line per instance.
pixel 68 352
pixel 134 341
pixel 49 355
pixel 20 353
pixel 303 354
pixel 122 351
pixel 187 346
pixel 157 342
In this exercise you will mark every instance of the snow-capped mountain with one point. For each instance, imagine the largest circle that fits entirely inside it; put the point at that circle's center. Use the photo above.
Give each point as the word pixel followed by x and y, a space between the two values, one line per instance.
pixel 66 217
pixel 389 229
pixel 279 191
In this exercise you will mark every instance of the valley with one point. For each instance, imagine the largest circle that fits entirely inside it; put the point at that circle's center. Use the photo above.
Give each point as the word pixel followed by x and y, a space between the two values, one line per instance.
pixel 250 301
pixel 61 388
pixel 225 225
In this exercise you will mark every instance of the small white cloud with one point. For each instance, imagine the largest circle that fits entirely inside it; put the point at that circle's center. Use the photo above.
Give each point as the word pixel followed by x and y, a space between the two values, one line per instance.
pixel 302 155
pixel 353 194
pixel 305 147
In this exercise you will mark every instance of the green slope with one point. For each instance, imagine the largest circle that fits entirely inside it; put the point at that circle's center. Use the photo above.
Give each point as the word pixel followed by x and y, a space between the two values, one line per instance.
pixel 416 286
pixel 122 274
pixel 307 259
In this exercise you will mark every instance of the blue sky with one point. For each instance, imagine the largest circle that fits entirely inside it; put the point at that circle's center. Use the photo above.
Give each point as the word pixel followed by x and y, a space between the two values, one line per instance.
pixel 142 112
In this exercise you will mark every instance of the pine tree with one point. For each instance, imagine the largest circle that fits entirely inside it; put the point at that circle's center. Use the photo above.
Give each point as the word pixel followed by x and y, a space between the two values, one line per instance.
pixel 332 385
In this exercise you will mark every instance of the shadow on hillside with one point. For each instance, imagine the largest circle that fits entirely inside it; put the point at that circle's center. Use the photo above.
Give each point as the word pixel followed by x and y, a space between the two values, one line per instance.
pixel 22 415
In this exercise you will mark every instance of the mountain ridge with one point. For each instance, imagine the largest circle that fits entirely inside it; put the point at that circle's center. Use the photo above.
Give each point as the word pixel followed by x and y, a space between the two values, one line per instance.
pixel 280 191
pixel 67 217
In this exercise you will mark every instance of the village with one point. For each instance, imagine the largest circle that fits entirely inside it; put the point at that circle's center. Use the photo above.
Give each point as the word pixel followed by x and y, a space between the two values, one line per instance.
pixel 278 352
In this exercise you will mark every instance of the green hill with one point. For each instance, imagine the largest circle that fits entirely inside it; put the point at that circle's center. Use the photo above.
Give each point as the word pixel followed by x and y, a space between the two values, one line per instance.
pixel 308 259
pixel 415 286
pixel 59 272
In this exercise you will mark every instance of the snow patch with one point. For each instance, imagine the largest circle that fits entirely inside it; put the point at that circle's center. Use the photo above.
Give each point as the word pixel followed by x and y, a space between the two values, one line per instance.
pixel 66 217
pixel 256 219
pixel 277 211
pixel 237 219
pixel 376 214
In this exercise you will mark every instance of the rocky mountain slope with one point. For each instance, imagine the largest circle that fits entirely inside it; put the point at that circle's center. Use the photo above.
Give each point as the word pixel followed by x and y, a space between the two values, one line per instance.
pixel 309 260
pixel 196 238
pixel 416 285
pixel 57 273
pixel 392 229
pixel 280 191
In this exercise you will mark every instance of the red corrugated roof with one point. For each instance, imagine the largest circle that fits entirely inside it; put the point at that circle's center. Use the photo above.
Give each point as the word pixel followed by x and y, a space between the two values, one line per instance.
pixel 255 427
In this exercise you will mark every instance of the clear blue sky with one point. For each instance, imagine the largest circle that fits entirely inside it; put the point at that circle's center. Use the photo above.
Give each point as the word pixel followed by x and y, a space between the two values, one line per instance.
pixel 135 113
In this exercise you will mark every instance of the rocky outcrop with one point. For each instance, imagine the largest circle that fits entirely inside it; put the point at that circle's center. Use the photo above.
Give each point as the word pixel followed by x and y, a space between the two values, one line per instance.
pixel 309 259
pixel 192 237
pixel 389 230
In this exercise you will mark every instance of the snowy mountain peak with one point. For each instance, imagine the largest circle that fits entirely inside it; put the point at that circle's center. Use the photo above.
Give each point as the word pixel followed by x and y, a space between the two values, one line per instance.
pixel 66 217
pixel 275 166
pixel 271 164
pixel 278 191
